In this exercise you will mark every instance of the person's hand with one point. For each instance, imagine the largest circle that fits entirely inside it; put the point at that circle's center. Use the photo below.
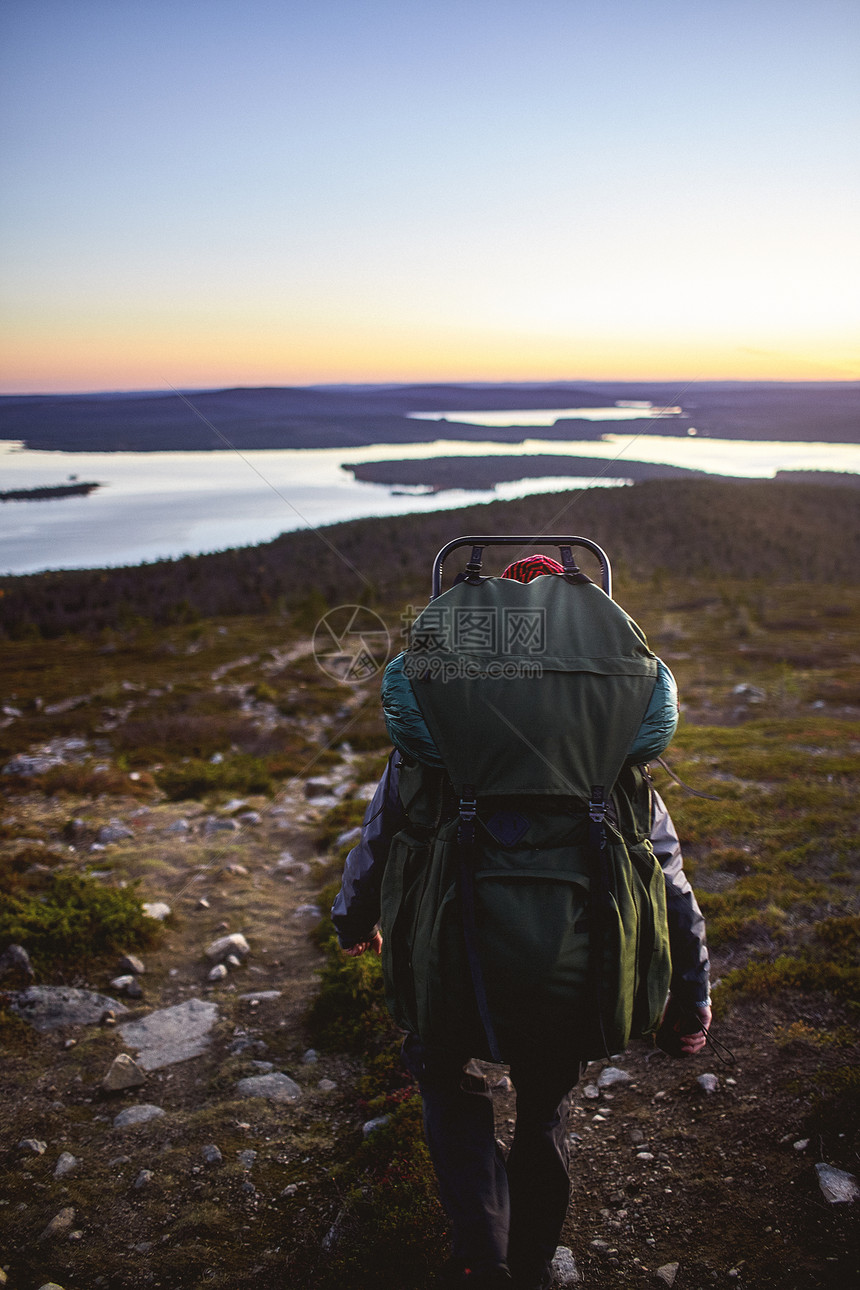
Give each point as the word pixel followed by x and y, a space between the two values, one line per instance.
pixel 374 944
pixel 694 1043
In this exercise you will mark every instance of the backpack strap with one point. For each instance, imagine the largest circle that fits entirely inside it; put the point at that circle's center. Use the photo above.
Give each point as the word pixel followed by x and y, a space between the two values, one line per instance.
pixel 597 806
pixel 466 869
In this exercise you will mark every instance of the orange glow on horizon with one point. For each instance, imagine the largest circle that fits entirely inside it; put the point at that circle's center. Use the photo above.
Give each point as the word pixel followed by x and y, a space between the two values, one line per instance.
pixel 205 356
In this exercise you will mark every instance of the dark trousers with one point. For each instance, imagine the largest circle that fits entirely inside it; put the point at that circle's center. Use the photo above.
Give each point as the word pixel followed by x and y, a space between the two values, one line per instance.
pixel 501 1211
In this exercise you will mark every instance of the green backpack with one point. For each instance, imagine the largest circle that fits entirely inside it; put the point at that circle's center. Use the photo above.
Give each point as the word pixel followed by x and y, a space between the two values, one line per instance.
pixel 522 903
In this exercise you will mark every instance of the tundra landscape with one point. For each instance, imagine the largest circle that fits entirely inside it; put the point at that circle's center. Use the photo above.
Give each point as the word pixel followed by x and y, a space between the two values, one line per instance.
pixel 182 781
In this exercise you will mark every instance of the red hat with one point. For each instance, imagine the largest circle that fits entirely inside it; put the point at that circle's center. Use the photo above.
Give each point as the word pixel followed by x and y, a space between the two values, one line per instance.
pixel 531 566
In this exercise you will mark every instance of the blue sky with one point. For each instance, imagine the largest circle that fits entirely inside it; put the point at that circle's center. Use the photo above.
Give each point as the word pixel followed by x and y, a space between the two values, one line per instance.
pixel 211 193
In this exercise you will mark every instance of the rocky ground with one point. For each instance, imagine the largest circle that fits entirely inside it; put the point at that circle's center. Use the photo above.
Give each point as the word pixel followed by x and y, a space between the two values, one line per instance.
pixel 677 1179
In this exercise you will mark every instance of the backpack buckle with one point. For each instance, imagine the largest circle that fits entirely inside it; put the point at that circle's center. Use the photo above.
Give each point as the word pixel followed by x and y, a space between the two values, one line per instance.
pixel 468 810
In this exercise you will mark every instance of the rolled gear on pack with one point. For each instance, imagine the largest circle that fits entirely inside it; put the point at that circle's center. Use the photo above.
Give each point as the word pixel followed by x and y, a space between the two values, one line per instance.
pixel 524 895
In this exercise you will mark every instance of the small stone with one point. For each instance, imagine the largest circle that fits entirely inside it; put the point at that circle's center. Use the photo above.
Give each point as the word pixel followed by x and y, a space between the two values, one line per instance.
pixel 218 973
pixel 801 1144
pixel 644 1155
pixel 247 1158
pixel 211 1154
pixel 667 1273
pixel 237 870
pixel 124 1072
pixel 59 1225
pixel 139 1114
pixel 611 1076
pixel 311 1057
pixel 564 1270
pixel 370 1126
pixel 178 826
pixel 116 831
pixel 232 961
pixel 131 963
pixel 66 1164
pixel 348 837
pixel 276 1086
pixel 214 825
pixel 51 1285
pixel 290 1190
pixel 144 1177
pixel 203 903
pixel 837 1185
pixel 327 1086
pixel 591 1091
pixel 504 1085
pixel 33 1144
pixel 708 1083
pixel 308 911
pixel 156 909
pixel 252 818
pixel 234 944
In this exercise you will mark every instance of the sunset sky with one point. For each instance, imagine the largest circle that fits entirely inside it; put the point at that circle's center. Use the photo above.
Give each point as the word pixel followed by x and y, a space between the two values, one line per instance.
pixel 245 192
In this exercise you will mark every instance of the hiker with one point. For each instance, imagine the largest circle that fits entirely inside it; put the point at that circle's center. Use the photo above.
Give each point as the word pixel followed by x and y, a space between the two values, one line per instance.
pixel 498 937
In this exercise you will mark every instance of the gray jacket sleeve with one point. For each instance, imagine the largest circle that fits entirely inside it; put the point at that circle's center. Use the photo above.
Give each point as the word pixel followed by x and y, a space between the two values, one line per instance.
pixel 690 965
pixel 355 912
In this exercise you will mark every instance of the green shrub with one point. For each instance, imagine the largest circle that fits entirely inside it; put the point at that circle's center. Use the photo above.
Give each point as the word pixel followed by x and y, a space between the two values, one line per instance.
pixel 76 920
pixel 194 779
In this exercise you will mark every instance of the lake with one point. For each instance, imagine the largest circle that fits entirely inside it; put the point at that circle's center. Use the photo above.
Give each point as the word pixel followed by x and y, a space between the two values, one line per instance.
pixel 157 505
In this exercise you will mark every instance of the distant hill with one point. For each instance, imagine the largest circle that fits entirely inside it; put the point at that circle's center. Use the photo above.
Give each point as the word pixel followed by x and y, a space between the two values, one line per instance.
pixel 703 529
pixel 338 416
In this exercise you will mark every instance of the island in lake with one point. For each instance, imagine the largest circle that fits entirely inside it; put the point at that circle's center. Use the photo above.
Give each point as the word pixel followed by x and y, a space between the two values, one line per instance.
pixel 47 492
pixel 436 474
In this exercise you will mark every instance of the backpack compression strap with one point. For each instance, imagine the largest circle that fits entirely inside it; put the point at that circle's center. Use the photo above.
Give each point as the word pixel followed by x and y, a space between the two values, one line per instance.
pixel 466 863
pixel 600 898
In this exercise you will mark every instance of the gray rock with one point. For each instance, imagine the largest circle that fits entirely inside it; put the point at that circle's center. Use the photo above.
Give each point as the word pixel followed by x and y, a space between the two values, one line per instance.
pixel 708 1083
pixel 144 1177
pixel 66 1164
pixel 246 1158
pixel 51 1285
pixel 15 959
pixel 611 1076
pixel 116 831
pixel 250 817
pixel 140 1114
pixel 131 963
pixel 48 1007
pixel 591 1091
pixel 156 909
pixel 211 1154
pixel 27 766
pixel 564 1270
pixel 308 911
pixel 311 1057
pixel 171 1035
pixel 837 1185
pixel 667 1273
pixel 178 826
pixel 276 1086
pixel 33 1144
pixel 225 945
pixel 214 825
pixel 59 1224
pixel 326 1085
pixel 218 973
pixel 259 996
pixel 124 1072
pixel 370 1126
